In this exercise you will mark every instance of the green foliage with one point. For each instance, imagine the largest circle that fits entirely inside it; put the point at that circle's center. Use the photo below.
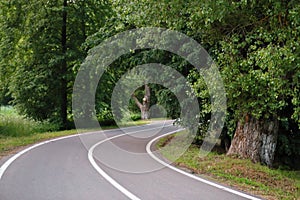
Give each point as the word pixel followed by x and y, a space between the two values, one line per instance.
pixel 258 56
pixel 14 125
pixel 169 102
pixel 258 83
pixel 123 21
pixel 256 46
pixel 38 65
pixel 105 116
pixel 254 43
pixel 242 173
pixel 135 116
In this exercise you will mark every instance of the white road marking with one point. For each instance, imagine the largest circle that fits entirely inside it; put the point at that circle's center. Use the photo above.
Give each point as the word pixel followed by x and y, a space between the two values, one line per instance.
pixel 13 158
pixel 148 149
pixel 4 167
pixel 104 174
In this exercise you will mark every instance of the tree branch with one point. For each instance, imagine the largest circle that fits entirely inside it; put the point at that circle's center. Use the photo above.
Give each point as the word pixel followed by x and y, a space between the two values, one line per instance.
pixel 137 102
pixel 147 91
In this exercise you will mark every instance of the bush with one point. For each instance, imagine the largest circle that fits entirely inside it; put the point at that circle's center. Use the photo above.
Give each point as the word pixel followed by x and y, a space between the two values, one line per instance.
pixel 288 150
pixel 45 126
pixel 14 125
pixel 135 116
pixel 105 118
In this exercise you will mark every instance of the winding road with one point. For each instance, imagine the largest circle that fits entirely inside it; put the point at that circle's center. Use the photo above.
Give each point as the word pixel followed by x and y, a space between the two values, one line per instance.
pixel 111 164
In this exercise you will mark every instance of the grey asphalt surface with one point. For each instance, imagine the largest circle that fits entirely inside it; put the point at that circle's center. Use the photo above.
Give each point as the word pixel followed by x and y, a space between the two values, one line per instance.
pixel 60 170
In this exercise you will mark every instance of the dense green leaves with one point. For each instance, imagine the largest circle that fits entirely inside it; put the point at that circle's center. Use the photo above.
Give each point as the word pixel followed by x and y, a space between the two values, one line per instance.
pixel 254 43
pixel 39 57
pixel 256 47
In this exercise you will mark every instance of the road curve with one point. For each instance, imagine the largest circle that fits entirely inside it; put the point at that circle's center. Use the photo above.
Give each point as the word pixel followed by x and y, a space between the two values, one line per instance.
pixel 104 165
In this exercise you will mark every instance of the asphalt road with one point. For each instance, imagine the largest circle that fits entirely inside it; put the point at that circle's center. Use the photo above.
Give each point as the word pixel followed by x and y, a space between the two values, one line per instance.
pixel 103 165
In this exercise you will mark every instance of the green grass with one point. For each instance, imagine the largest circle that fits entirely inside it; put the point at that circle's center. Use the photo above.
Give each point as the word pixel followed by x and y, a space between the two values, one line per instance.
pixel 135 123
pixel 240 173
pixel 14 125
pixel 9 144
pixel 17 131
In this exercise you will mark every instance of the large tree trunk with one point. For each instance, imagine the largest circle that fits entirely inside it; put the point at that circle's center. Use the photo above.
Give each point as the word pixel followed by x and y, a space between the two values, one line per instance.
pixel 64 101
pixel 144 107
pixel 255 139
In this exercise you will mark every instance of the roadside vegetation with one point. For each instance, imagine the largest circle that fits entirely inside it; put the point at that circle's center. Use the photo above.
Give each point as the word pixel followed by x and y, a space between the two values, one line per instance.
pixel 17 131
pixel 242 174
pixel 14 125
pixel 254 44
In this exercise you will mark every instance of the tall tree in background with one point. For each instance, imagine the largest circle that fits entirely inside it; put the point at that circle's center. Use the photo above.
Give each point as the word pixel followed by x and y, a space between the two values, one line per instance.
pixel 64 66
pixel 10 32
pixel 144 106
pixel 45 52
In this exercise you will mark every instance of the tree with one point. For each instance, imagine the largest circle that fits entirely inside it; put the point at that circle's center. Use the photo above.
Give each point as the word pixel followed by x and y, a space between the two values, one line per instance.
pixel 145 105
pixel 124 19
pixel 64 66
pixel 255 46
pixel 10 33
pixel 47 51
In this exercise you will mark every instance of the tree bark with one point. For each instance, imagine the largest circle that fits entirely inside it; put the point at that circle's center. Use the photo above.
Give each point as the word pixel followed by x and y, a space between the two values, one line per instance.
pixel 64 101
pixel 255 139
pixel 144 107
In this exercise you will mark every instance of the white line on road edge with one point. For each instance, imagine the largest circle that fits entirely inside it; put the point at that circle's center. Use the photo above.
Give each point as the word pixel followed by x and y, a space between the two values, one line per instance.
pixel 4 167
pixel 104 174
pixel 13 158
pixel 148 149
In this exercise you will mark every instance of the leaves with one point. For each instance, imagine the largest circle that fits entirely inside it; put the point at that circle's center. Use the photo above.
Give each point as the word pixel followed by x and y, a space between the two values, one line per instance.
pixel 255 44
pixel 31 55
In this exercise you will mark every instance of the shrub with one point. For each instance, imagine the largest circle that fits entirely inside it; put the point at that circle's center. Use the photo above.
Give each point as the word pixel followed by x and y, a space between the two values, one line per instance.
pixel 135 116
pixel 14 125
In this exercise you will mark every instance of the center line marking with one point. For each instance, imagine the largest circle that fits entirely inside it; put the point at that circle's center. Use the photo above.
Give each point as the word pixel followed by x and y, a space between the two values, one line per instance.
pixel 104 174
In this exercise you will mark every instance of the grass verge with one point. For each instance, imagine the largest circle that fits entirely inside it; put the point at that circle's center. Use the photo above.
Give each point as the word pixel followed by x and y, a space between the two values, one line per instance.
pixel 239 173
pixel 12 144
